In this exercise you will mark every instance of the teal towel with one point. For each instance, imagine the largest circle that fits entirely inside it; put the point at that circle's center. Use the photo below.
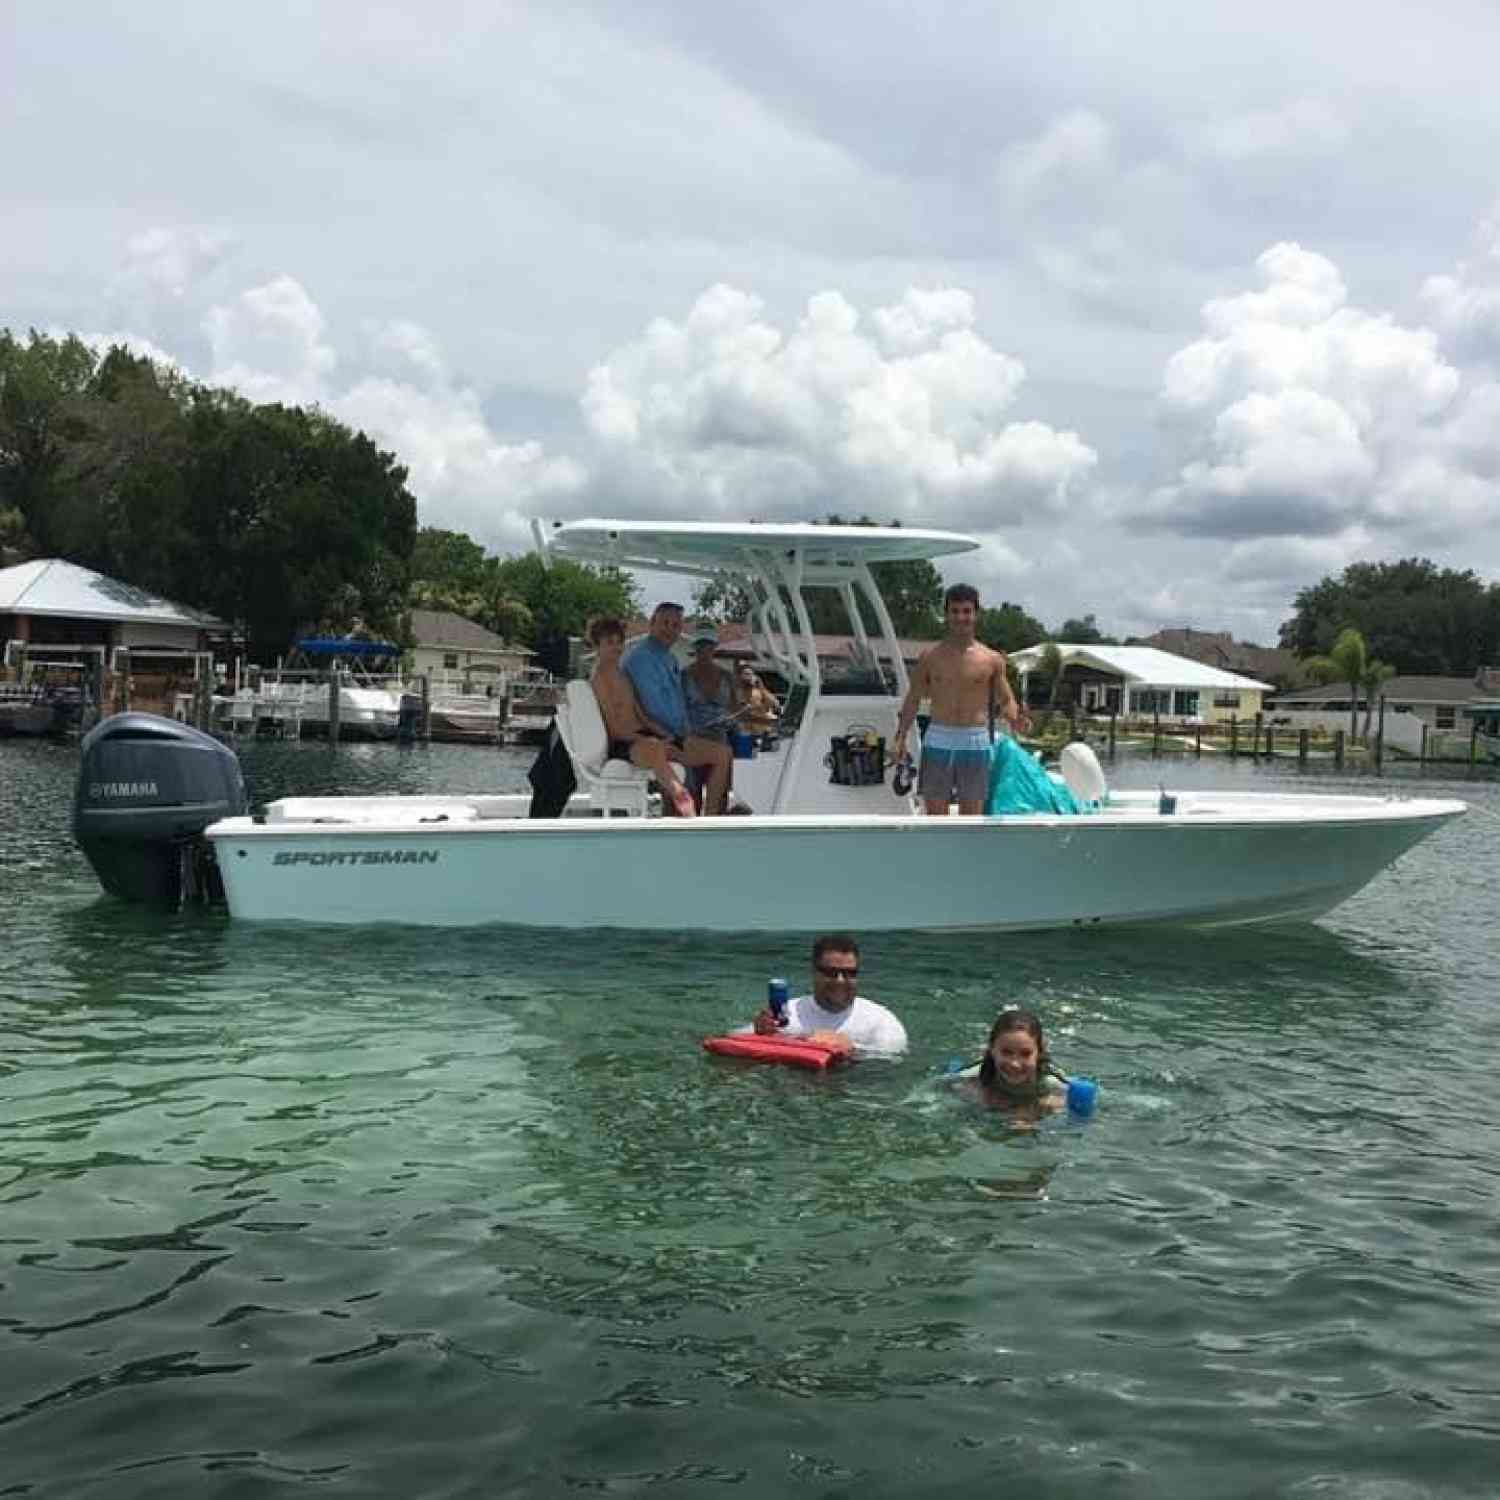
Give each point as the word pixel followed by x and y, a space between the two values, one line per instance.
pixel 1019 785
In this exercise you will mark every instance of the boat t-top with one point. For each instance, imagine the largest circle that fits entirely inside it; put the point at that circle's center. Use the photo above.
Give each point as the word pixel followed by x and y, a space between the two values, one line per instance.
pixel 828 844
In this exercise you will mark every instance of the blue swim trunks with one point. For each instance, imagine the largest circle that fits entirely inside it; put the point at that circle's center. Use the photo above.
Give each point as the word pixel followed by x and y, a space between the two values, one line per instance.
pixel 955 764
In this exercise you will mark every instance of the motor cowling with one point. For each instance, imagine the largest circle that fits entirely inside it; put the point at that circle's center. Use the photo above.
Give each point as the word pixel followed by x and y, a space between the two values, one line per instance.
pixel 147 788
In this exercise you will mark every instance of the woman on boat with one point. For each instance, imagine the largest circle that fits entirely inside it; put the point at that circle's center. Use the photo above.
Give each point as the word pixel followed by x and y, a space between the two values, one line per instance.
pixel 1016 1073
pixel 709 690
pixel 762 712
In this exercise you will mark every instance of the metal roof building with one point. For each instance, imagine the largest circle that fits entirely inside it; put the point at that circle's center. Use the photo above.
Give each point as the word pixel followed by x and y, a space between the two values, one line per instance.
pixel 49 601
pixel 1143 680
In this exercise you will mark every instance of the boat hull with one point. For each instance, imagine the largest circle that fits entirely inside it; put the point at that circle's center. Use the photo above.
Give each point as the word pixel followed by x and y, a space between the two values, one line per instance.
pixel 1250 860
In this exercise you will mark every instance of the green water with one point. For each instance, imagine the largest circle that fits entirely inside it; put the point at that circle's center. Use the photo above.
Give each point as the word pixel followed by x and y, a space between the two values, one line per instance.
pixel 396 1212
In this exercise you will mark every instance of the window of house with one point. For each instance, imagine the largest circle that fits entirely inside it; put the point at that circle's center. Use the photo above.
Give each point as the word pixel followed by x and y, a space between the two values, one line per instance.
pixel 1150 701
pixel 1446 716
pixel 1226 700
pixel 1185 703
pixel 450 661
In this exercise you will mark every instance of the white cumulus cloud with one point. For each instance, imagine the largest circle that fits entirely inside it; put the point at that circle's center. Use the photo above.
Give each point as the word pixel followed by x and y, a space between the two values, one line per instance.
pixel 1465 305
pixel 270 344
pixel 465 478
pixel 904 414
pixel 1298 414
pixel 174 258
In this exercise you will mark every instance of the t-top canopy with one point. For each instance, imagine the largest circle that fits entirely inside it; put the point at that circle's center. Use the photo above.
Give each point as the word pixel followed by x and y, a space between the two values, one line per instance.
pixel 710 546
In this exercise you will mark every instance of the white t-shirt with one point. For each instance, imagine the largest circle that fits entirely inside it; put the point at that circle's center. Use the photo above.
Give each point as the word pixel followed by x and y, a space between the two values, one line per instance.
pixel 870 1027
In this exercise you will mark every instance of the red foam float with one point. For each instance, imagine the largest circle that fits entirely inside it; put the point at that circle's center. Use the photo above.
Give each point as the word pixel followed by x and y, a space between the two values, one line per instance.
pixel 794 1051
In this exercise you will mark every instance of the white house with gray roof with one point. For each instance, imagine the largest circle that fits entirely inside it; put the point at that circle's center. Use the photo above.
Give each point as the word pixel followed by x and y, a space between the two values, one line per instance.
pixel 1142 680
pixel 48 602
pixel 447 644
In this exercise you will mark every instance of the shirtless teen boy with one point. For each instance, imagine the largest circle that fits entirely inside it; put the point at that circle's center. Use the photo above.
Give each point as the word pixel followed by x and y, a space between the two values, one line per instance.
pixel 961 677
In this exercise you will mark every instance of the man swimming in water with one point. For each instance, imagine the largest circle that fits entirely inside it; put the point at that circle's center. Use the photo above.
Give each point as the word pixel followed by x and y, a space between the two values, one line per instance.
pixel 834 1015
pixel 964 680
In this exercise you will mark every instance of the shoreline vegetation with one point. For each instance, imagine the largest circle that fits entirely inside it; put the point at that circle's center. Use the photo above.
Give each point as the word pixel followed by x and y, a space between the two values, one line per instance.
pixel 280 520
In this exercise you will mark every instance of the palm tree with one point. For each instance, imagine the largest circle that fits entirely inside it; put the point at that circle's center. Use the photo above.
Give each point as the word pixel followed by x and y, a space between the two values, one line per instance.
pixel 1376 673
pixel 1050 665
pixel 1350 662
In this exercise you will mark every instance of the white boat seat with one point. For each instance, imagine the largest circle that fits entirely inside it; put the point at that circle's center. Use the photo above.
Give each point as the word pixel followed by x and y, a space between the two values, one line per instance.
pixel 1083 774
pixel 613 784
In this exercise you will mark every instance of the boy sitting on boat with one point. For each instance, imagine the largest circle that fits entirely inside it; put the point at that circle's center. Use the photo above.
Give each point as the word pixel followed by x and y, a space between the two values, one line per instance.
pixel 635 737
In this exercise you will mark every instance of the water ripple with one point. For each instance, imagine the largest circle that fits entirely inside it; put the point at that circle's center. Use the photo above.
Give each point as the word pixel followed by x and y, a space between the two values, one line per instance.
pixel 408 1205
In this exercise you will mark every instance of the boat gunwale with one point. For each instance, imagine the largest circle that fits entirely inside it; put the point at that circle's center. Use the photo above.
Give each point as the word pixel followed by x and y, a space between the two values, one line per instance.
pixel 1382 812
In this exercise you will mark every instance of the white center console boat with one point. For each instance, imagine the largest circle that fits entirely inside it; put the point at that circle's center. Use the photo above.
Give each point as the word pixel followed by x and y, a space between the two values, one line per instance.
pixel 830 845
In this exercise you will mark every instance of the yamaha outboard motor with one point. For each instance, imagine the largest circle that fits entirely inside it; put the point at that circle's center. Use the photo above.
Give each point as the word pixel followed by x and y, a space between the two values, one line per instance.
pixel 147 788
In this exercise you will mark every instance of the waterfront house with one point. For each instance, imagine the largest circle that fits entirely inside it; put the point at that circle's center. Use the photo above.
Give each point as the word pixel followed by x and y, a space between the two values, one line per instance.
pixel 447 645
pixel 1438 702
pixel 839 656
pixel 1217 648
pixel 1143 682
pixel 50 607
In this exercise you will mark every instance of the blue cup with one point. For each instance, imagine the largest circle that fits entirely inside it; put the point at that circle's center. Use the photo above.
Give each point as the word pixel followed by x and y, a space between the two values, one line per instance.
pixel 743 745
pixel 1083 1094
pixel 777 995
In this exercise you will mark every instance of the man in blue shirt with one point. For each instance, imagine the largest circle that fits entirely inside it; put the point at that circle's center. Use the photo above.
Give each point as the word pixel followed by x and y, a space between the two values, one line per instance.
pixel 657 681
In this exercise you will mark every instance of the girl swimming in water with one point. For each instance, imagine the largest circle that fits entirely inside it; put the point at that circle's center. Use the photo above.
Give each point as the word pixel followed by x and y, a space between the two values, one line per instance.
pixel 1016 1072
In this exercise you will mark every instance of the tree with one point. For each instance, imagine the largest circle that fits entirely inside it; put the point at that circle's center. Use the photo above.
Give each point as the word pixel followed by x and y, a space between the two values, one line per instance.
pixel 1350 662
pixel 1009 628
pixel 561 595
pixel 1375 676
pixel 722 599
pixel 1084 632
pixel 271 517
pixel 298 522
pixel 510 619
pixel 122 509
pixel 1049 667
pixel 44 386
pixel 16 544
pixel 1411 613
pixel 447 566
pixel 912 591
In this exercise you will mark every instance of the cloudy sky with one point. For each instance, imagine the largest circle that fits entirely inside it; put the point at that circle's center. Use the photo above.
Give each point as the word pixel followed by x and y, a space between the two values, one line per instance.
pixel 1179 307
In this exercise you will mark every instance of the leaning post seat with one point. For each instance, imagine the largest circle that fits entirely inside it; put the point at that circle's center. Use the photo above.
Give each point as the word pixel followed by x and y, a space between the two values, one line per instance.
pixel 614 785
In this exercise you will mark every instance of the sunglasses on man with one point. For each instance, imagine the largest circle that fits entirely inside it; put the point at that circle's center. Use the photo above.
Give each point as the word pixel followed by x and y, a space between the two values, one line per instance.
pixel 837 971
